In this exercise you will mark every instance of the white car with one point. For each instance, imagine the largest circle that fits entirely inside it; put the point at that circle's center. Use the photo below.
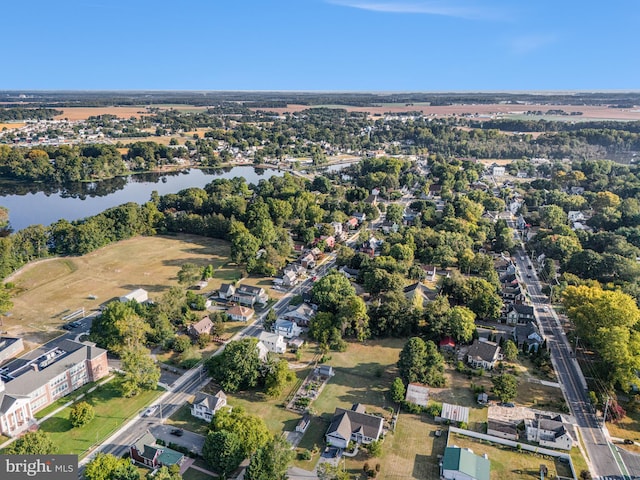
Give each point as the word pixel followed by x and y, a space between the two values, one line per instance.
pixel 150 411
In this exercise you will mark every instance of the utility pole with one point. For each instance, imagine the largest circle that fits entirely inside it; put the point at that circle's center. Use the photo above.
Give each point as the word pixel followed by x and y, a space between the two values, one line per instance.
pixel 606 409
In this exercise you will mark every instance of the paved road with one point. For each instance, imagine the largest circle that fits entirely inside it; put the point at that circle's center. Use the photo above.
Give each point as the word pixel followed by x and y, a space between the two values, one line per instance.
pixel 604 462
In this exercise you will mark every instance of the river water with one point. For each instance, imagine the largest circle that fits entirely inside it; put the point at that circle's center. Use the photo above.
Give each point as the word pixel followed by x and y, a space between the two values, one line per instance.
pixel 32 204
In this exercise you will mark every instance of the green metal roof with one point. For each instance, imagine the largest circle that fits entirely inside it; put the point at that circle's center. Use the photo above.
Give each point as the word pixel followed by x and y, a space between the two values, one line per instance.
pixel 171 457
pixel 465 461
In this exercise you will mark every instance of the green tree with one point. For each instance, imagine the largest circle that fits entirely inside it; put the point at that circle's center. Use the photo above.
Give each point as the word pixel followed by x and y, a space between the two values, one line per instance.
pixel 552 216
pixel 398 390
pixel 271 461
pixel 189 273
pixel 81 413
pixel 510 350
pixel 461 323
pixel 329 292
pixel 33 443
pixel 105 466
pixel 238 367
pixel 421 362
pixel 375 448
pixel 165 473
pixel 505 387
pixel 277 378
pixel 269 320
pixel 119 327
pixel 181 343
pixel 5 300
pixel 223 450
pixel 141 372
pixel 250 429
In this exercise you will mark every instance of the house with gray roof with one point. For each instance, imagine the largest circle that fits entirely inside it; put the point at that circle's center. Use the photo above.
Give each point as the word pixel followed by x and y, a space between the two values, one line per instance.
pixel 483 354
pixel 550 431
pixel 520 314
pixel 528 334
pixel 205 406
pixel 354 424
pixel 204 326
pixel 461 464
pixel 145 451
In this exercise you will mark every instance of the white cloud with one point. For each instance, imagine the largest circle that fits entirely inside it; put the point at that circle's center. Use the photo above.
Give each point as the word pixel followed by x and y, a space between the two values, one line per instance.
pixel 529 43
pixel 459 9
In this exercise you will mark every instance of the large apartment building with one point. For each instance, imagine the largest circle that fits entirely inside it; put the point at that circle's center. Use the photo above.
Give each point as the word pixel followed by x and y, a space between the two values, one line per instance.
pixel 33 384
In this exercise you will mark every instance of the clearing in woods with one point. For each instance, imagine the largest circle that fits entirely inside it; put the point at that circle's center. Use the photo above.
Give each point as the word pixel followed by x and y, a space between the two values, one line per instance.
pixel 45 291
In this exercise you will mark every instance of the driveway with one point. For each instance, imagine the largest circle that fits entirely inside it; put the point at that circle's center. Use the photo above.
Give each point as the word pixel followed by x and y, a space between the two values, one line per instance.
pixel 190 440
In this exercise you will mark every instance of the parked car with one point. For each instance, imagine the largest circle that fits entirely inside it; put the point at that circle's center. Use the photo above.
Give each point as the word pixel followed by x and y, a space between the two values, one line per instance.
pixel 150 411
pixel 628 441
pixel 177 432
pixel 75 324
pixel 509 404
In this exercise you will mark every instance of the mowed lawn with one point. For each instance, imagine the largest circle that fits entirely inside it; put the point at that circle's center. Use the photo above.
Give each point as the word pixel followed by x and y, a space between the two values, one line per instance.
pixel 508 464
pixel 111 409
pixel 47 291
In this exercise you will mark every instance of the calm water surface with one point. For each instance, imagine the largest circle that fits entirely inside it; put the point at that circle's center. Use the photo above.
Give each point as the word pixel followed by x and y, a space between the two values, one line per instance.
pixel 28 205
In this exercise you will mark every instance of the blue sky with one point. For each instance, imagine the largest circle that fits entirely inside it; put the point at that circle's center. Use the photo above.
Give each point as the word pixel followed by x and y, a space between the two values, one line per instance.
pixel 363 45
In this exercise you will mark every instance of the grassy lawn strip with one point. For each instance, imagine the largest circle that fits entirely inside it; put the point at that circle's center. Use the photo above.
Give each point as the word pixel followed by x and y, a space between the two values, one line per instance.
pixel 111 409
pixel 193 474
pixel 313 438
pixel 182 418
pixel 509 464
pixel 72 397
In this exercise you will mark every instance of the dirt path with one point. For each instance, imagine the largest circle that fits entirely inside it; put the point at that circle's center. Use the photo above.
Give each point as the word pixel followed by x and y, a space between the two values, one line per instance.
pixel 29 266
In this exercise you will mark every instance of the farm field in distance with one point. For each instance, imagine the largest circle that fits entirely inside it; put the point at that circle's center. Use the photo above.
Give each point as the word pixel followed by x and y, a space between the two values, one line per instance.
pixel 46 291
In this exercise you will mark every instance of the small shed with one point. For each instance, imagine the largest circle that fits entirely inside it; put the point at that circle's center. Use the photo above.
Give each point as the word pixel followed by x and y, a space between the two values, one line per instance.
pixel 455 413
pixel 304 423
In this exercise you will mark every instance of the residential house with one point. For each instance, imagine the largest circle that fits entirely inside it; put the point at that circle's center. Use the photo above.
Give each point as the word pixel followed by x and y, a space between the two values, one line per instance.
pixel 289 278
pixel 353 425
pixel 249 295
pixel 294 268
pixel 352 223
pixel 295 344
pixel 139 295
pixel 498 171
pixel 329 241
pixel 483 354
pixel 205 406
pixel 263 351
pixel 577 190
pixel 447 344
pixel 512 294
pixel 462 464
pixel 549 431
pixel 349 272
pixel 418 293
pixel 519 314
pixel 308 261
pixel 434 191
pixel 301 314
pixel 274 342
pixel 28 386
pixel 575 216
pixel 360 217
pixel 145 451
pixel 204 326
pixel 241 314
pixel 502 429
pixel 317 253
pixel 528 334
pixel 287 328
pixel 389 227
pixel 430 272
pixel 337 228
pixel 417 394
pixel 226 291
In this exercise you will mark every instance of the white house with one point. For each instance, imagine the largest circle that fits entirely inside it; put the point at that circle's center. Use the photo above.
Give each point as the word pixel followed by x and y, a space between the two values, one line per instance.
pixel 240 314
pixel 226 291
pixel 549 431
pixel 498 171
pixel 273 342
pixel 354 424
pixel 249 295
pixel 286 328
pixel 300 314
pixel 483 354
pixel 205 406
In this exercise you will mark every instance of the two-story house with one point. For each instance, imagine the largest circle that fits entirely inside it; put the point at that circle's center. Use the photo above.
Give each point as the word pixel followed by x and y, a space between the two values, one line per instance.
pixel 273 342
pixel 205 406
pixel 483 354
pixel 226 291
pixel 249 295
pixel 145 451
pixel 354 424
pixel 519 314
pixel 549 431
pixel 287 328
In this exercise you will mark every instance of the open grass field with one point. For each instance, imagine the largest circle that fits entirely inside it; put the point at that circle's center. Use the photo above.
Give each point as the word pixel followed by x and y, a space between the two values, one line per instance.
pixel 11 126
pixel 588 112
pixel 82 113
pixel 193 474
pixel 47 290
pixel 111 409
pixel 628 427
pixel 508 464
pixel 182 418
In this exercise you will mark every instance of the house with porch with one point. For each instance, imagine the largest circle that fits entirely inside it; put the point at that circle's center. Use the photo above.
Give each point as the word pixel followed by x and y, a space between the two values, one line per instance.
pixel 353 425
pixel 483 354
pixel 205 406
pixel 145 451
pixel 273 342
